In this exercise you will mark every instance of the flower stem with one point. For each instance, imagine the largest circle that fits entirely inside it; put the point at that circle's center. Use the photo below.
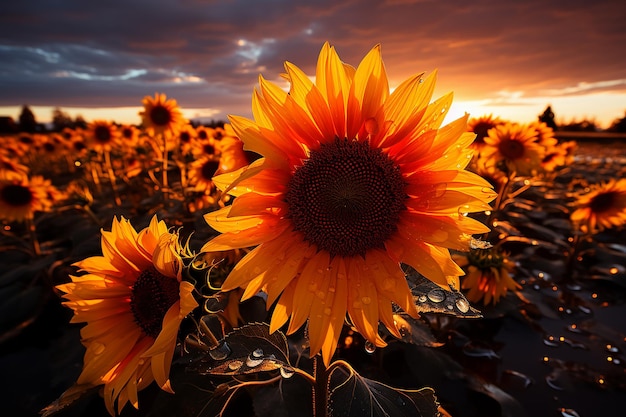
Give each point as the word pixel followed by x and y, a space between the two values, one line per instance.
pixel 320 389
pixel 164 185
pixel 33 236
pixel 109 166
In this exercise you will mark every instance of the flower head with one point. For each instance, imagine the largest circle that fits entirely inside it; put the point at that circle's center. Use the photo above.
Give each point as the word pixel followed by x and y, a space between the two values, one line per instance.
pixel 21 197
pixel 161 116
pixel 133 301
pixel 603 206
pixel 102 135
pixel 488 274
pixel 352 181
pixel 515 147
pixel 481 126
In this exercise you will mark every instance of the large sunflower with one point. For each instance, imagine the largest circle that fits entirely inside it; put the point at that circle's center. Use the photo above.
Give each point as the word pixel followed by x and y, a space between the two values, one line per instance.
pixel 133 301
pixel 603 206
pixel 160 115
pixel 353 181
pixel 514 146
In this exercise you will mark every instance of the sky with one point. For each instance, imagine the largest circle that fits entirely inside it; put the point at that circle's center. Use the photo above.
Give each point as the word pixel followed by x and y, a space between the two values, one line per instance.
pixel 508 58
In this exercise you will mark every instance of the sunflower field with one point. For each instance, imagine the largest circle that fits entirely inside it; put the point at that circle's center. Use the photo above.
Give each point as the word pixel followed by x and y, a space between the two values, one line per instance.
pixel 343 253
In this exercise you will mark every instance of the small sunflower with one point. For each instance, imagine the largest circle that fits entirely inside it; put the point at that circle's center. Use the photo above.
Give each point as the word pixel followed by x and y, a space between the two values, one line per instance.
pixel 201 173
pixel 129 136
pixel 10 169
pixel 514 146
pixel 102 135
pixel 488 274
pixel 161 116
pixel 481 126
pixel 22 197
pixel 186 138
pixel 353 181
pixel 601 207
pixel 133 301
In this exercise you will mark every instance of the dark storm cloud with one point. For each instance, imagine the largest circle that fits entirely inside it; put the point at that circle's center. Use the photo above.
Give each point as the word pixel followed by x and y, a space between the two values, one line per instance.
pixel 209 53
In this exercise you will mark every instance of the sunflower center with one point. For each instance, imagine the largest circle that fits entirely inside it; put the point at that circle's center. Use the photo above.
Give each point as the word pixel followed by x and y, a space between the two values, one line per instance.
pixel 185 137
pixel 602 202
pixel 160 116
pixel 152 295
pixel 102 134
pixel 209 168
pixel 346 198
pixel 16 195
pixel 511 149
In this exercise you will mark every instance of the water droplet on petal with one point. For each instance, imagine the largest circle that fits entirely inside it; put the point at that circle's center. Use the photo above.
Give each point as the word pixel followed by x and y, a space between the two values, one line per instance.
pixel 286 371
pixel 234 365
pixel 462 305
pixel 220 352
pixel 436 295
pixel 369 347
pixel 366 300
pixel 97 348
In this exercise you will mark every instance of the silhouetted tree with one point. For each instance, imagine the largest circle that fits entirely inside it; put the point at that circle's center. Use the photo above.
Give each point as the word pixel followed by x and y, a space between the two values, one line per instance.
pixel 582 126
pixel 548 118
pixel 79 122
pixel 27 121
pixel 618 125
pixel 60 120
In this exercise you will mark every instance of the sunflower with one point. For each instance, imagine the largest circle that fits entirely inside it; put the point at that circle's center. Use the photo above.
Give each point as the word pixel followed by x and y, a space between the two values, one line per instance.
pixel 353 181
pixel 161 116
pixel 603 206
pixel 481 126
pixel 21 197
pixel 186 138
pixel 515 147
pixel 488 274
pixel 201 173
pixel 133 301
pixel 129 136
pixel 102 135
pixel 11 169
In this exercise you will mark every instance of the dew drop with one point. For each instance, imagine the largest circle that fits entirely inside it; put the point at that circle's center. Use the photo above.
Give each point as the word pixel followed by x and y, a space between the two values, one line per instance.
pixel 321 295
pixel 286 372
pixel 462 305
pixel 357 304
pixel 97 348
pixel 328 311
pixel 252 362
pixel 257 270
pixel 366 300
pixel 422 298
pixel 234 365
pixel 369 347
pixel 568 412
pixel 549 341
pixel 258 353
pixel 436 295
pixel 220 352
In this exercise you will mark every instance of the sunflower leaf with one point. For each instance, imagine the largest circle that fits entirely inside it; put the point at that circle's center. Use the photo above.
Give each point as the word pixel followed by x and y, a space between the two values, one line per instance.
pixel 350 394
pixel 246 350
pixel 431 298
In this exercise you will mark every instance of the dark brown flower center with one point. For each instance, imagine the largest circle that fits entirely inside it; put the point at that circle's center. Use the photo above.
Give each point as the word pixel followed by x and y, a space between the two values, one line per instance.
pixel 160 116
pixel 127 133
pixel 603 202
pixel 481 129
pixel 16 195
pixel 346 198
pixel 202 134
pixel 511 149
pixel 152 295
pixel 185 137
pixel 209 168
pixel 102 134
pixel 208 149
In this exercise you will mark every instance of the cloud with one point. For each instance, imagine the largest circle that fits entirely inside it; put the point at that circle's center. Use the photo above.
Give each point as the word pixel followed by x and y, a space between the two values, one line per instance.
pixel 208 54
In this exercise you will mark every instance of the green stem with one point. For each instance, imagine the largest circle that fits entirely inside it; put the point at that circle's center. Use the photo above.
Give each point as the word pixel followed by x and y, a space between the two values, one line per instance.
pixel 164 185
pixel 109 166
